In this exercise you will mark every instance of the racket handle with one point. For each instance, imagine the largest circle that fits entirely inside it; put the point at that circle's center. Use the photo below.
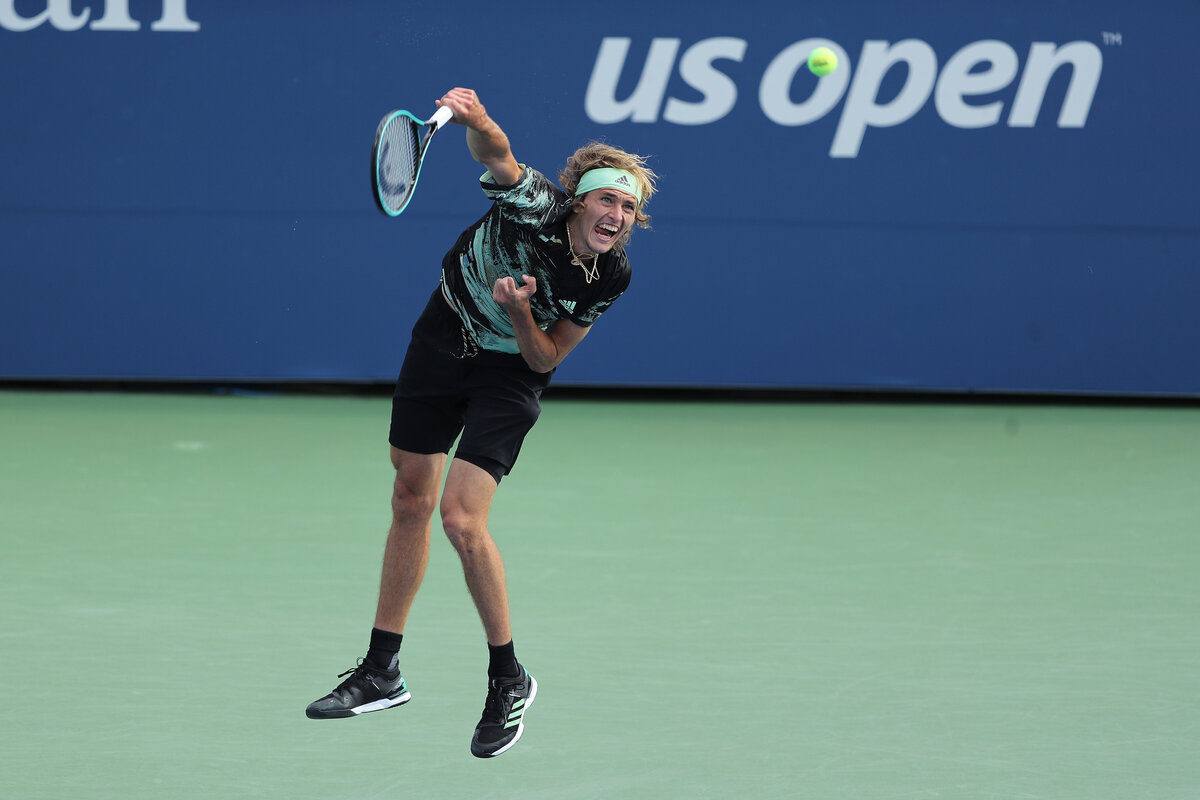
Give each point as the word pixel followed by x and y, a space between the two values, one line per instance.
pixel 441 117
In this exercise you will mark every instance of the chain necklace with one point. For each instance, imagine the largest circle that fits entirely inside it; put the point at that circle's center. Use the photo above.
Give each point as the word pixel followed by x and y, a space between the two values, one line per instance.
pixel 590 273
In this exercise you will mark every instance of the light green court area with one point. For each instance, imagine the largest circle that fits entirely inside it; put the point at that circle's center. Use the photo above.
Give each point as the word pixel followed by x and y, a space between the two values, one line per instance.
pixel 719 600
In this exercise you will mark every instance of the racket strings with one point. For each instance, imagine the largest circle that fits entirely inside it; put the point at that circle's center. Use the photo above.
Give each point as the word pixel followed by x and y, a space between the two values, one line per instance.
pixel 399 160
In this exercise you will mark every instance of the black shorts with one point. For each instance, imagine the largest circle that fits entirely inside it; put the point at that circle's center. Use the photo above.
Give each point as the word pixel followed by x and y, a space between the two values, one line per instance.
pixel 492 399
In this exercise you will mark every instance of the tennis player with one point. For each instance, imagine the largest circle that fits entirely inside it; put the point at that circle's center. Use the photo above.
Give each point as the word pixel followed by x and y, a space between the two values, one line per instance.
pixel 519 290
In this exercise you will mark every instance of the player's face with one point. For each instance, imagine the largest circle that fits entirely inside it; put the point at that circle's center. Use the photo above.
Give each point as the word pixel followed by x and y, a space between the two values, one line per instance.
pixel 606 216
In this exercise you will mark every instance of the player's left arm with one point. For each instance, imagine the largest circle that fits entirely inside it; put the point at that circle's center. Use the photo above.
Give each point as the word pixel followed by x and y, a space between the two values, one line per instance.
pixel 543 350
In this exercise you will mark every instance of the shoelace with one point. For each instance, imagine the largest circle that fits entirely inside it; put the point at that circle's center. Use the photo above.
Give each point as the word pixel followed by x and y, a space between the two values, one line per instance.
pixel 359 667
pixel 495 709
pixel 360 671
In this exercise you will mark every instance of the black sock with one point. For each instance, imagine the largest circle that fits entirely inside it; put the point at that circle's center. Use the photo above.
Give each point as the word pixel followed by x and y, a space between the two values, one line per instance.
pixel 385 646
pixel 502 661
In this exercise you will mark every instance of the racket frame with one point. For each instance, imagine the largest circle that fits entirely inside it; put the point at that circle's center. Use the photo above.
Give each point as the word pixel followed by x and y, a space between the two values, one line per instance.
pixel 432 125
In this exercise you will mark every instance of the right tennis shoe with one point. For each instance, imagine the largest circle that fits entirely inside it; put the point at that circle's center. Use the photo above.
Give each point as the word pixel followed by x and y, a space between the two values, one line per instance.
pixel 367 689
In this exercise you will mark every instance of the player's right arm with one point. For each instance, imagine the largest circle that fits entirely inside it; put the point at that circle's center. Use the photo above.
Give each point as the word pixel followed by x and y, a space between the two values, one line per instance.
pixel 486 141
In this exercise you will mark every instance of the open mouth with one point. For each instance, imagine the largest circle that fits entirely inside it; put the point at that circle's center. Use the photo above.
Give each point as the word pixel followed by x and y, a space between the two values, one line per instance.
pixel 606 232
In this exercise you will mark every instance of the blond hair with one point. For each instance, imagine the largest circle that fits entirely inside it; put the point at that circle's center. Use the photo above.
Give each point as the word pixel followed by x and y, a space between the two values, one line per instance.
pixel 594 155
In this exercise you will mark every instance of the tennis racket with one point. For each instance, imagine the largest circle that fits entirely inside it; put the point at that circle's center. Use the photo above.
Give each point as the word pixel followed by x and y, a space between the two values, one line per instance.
pixel 397 154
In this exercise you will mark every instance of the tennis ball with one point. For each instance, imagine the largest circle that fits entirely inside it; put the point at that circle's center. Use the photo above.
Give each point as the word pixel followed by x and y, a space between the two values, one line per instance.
pixel 822 61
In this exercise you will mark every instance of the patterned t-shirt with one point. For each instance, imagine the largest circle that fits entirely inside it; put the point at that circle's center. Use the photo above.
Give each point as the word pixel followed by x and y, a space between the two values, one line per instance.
pixel 525 232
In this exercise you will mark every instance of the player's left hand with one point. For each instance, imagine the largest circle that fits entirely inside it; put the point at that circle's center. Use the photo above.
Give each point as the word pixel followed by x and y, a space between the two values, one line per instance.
pixel 510 296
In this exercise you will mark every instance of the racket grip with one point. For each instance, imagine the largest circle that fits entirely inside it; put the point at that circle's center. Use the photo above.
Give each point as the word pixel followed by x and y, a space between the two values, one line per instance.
pixel 441 117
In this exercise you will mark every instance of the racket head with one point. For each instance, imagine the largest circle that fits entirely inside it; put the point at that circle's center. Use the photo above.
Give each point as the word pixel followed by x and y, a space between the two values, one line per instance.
pixel 396 161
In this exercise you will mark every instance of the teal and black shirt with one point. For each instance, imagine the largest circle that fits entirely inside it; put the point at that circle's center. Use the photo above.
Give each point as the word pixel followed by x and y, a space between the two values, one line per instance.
pixel 525 232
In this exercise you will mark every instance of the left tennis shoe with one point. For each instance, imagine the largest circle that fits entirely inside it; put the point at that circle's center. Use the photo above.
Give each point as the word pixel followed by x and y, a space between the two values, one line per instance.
pixel 503 715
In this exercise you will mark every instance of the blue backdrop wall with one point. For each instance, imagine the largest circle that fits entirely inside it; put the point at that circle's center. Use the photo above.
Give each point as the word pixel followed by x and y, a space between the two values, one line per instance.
pixel 983 197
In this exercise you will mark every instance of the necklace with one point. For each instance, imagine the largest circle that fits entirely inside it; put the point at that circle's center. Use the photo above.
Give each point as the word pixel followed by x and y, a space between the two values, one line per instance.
pixel 591 273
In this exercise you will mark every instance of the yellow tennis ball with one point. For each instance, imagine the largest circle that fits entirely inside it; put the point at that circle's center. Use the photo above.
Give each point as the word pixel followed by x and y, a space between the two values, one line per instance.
pixel 822 61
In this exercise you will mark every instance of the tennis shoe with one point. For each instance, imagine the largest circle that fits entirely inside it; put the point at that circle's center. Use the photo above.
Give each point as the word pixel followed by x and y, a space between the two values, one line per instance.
pixel 367 689
pixel 503 714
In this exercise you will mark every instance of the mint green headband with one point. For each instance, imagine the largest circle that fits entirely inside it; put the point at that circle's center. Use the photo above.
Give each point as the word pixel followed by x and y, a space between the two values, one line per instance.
pixel 609 178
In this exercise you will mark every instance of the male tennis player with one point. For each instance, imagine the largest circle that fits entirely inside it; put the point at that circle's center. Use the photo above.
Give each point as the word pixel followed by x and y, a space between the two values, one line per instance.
pixel 519 290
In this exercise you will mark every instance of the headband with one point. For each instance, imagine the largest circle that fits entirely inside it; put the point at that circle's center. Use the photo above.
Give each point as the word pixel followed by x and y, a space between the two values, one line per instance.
pixel 609 178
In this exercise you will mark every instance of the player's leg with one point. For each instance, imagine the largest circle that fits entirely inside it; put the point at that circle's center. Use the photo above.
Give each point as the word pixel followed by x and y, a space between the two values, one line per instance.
pixel 465 506
pixel 376 683
pixel 466 502
pixel 406 554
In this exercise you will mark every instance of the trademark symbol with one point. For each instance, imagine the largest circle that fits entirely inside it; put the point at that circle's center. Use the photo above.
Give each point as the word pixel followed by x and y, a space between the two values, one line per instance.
pixel 1111 39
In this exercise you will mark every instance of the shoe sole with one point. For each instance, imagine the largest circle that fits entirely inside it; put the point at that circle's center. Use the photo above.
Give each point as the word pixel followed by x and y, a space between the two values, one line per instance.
pixel 520 725
pixel 365 708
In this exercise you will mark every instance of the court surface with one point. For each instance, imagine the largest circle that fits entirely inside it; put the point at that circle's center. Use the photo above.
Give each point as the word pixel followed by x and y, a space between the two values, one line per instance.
pixel 719 600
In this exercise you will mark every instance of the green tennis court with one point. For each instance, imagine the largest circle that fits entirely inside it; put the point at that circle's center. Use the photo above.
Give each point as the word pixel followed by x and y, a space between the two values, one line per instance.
pixel 744 600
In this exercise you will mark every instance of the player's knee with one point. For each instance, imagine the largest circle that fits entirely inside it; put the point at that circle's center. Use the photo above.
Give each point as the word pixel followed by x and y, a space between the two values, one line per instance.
pixel 416 503
pixel 463 529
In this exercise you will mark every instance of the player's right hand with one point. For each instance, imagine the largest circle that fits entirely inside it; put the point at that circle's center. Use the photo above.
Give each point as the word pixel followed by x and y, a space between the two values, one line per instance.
pixel 465 105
